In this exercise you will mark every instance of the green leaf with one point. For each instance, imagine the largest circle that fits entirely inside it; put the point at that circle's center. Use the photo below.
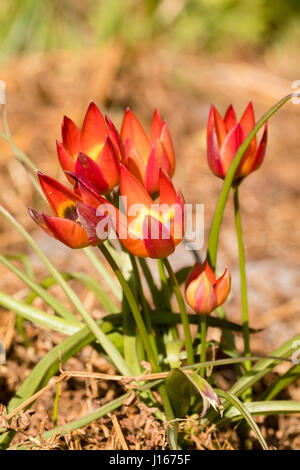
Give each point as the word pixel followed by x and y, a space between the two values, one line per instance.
pixel 173 349
pixel 265 408
pixel 292 374
pixel 264 366
pixel 207 393
pixel 40 291
pixel 40 317
pixel 181 392
pixel 244 411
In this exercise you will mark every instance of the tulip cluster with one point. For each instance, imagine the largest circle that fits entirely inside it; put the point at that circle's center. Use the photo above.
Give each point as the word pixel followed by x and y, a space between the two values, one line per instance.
pixel 96 159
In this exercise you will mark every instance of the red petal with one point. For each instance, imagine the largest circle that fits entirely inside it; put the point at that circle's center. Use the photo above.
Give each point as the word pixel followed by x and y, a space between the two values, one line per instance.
pixel 199 292
pixel 230 145
pixel 213 148
pixel 61 199
pixel 39 220
pixel 156 126
pixel 222 287
pixel 133 189
pixel 108 163
pixel 71 136
pixel 157 159
pixel 157 238
pixel 67 231
pixel 215 121
pixel 177 227
pixel 167 193
pixel 230 118
pixel 167 143
pixel 89 170
pixel 198 269
pixel 133 130
pixel 95 224
pixel 205 299
pixel 134 162
pixel 94 131
pixel 261 150
pixel 115 139
pixel 65 159
pixel 248 122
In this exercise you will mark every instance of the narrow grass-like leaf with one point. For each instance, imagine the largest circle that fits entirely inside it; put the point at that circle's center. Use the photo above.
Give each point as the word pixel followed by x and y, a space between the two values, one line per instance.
pixel 265 408
pixel 244 411
pixel 282 382
pixel 264 366
pixel 39 317
pixel 57 306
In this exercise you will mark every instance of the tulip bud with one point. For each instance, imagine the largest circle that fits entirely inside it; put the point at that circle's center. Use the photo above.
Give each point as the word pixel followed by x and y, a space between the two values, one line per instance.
pixel 204 293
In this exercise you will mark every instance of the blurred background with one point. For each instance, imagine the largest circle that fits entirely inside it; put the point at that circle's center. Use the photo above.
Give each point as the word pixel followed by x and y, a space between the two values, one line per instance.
pixel 179 56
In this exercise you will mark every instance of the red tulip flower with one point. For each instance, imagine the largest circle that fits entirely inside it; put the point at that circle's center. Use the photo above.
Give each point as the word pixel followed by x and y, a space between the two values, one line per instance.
pixel 224 136
pixel 98 140
pixel 64 225
pixel 145 229
pixel 145 155
pixel 203 292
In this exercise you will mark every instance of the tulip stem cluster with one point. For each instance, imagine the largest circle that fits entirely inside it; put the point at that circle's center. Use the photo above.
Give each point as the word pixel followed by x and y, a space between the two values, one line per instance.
pixel 132 304
pixel 183 313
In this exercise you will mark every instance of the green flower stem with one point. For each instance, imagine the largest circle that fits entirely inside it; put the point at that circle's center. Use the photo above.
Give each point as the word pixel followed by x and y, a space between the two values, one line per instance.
pixel 133 305
pixel 145 306
pixel 183 313
pixel 203 332
pixel 218 215
pixel 164 285
pixel 242 262
pixel 153 289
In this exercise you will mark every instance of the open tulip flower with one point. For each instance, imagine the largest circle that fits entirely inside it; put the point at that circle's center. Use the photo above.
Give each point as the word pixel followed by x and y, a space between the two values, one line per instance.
pixel 144 155
pixel 224 136
pixel 145 229
pixel 98 141
pixel 204 293
pixel 64 225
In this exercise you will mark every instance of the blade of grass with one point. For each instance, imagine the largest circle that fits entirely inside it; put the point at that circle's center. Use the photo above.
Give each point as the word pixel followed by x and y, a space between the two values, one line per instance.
pixel 244 411
pixel 275 388
pixel 264 366
pixel 265 408
pixel 39 317
pixel 40 291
